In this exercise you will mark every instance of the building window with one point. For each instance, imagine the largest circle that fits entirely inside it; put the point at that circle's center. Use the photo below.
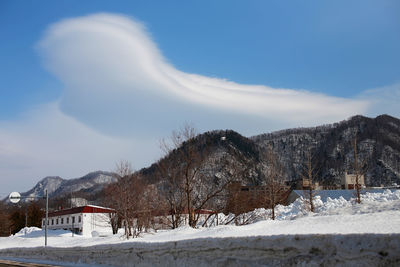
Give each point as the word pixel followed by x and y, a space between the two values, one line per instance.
pixel 57 221
pixel 73 219
pixel 52 221
pixel 79 219
pixel 62 220
pixel 68 220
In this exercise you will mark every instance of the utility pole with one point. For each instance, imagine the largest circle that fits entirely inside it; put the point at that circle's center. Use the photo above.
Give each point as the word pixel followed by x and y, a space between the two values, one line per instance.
pixel 47 218
pixel 26 217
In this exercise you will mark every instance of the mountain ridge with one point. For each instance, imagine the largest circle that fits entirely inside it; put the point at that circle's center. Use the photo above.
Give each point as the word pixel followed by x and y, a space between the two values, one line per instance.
pixel 58 187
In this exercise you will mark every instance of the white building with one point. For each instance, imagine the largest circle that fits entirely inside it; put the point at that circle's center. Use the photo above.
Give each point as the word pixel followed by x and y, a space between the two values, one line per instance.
pixel 349 181
pixel 81 220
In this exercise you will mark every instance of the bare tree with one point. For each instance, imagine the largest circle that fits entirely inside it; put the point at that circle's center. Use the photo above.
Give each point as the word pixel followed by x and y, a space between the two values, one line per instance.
pixel 210 189
pixel 309 172
pixel 150 203
pixel 114 222
pixel 35 214
pixel 192 182
pixel 5 225
pixel 275 189
pixel 172 191
pixel 184 164
pixel 17 219
pixel 190 159
pixel 125 196
pixel 359 169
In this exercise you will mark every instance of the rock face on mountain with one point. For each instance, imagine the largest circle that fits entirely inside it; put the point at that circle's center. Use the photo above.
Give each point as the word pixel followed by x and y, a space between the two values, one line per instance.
pixel 378 146
pixel 57 186
pixel 216 144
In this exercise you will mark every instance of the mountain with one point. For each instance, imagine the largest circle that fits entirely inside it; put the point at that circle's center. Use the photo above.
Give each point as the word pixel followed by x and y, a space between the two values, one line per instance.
pixel 378 145
pixel 58 187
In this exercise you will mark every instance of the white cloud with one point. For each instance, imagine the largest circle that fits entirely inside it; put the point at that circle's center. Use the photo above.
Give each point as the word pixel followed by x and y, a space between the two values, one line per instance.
pixel 112 68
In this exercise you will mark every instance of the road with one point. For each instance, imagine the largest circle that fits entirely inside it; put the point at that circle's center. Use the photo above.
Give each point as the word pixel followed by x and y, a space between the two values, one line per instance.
pixel 4 263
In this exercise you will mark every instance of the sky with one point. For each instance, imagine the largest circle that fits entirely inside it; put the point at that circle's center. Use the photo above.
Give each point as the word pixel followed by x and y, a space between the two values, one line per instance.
pixel 85 84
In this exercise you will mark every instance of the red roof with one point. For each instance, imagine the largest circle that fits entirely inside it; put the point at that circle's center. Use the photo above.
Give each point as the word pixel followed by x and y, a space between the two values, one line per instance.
pixel 83 209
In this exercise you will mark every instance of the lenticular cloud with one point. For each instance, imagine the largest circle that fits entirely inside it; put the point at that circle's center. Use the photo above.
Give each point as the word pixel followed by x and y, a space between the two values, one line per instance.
pixel 112 68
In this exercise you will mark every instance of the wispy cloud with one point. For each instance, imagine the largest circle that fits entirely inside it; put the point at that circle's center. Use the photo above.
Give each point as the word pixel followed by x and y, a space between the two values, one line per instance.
pixel 106 57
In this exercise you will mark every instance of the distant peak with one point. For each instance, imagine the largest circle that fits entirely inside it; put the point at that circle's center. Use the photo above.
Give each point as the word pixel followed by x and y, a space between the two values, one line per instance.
pixel 358 117
pixel 386 116
pixel 51 178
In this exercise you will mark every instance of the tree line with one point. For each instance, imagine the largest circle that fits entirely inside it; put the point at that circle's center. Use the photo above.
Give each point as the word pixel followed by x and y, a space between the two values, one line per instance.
pixel 196 181
pixel 15 217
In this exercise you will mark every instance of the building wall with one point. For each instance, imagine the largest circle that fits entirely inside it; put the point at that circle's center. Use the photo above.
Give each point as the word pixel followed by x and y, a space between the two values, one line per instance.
pixel 99 222
pixel 66 222
pixel 349 181
pixel 84 223
pixel 247 198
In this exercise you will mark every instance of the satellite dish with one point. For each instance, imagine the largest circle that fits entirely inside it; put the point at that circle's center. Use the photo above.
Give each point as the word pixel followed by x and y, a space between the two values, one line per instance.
pixel 15 197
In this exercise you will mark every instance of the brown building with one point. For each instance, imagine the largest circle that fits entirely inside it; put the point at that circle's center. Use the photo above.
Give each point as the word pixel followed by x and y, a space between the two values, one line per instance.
pixel 247 198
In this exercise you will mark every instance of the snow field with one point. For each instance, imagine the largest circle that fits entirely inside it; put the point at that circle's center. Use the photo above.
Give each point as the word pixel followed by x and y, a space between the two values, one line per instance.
pixel 339 232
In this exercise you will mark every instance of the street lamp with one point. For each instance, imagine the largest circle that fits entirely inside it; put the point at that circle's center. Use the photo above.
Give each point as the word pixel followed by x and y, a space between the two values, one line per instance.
pixel 15 197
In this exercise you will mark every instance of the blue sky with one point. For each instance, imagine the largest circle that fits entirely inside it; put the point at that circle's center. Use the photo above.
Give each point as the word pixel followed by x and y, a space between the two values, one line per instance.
pixel 338 48
pixel 333 59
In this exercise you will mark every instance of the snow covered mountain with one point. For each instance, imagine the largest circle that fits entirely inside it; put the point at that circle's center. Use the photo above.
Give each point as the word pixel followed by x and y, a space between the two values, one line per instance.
pixel 378 145
pixel 57 186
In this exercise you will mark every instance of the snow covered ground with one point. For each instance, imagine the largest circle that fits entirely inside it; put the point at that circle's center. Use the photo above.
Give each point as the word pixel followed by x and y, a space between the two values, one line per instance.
pixel 339 232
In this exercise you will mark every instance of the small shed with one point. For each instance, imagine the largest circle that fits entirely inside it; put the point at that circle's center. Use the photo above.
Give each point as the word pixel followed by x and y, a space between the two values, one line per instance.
pixel 349 181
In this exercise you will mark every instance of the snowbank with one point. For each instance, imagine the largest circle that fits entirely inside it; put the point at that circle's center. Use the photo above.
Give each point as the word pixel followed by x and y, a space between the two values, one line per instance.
pixel 332 206
pixel 294 250
pixel 28 231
